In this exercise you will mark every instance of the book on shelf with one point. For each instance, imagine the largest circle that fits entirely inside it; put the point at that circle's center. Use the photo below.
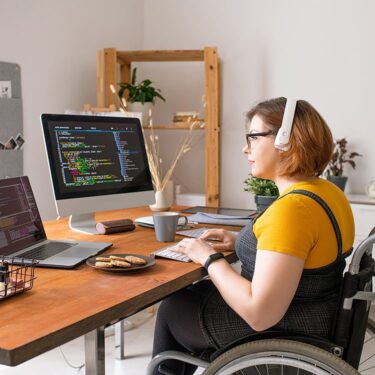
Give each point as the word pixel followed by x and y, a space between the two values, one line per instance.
pixel 185 116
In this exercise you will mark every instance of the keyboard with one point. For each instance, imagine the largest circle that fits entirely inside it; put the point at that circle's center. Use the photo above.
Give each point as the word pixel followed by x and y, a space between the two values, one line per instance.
pixel 167 252
pixel 195 233
pixel 47 250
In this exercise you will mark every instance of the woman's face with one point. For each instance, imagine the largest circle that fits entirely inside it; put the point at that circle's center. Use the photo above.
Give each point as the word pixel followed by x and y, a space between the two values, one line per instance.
pixel 261 153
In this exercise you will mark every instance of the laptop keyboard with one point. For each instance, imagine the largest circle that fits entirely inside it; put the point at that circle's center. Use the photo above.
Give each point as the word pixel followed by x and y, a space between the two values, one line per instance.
pixel 48 250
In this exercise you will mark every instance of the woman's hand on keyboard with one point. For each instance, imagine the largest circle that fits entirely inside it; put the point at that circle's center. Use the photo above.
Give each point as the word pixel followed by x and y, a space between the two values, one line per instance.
pixel 226 238
pixel 196 249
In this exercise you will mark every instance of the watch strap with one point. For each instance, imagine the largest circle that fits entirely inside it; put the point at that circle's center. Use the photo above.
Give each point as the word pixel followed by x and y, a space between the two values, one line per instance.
pixel 211 258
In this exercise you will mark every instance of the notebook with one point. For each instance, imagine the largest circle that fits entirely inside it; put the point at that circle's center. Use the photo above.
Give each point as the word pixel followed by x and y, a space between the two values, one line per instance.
pixel 218 219
pixel 22 234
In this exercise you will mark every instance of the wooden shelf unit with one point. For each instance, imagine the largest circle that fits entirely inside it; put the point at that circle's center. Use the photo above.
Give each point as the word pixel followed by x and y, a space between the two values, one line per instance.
pixel 107 61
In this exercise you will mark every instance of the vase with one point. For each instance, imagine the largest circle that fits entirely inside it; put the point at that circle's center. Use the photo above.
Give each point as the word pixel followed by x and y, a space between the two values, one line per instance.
pixel 263 202
pixel 164 199
pixel 144 109
pixel 161 202
pixel 339 181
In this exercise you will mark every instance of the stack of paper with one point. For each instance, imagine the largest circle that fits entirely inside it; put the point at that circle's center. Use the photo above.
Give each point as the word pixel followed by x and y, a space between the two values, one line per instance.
pixel 201 217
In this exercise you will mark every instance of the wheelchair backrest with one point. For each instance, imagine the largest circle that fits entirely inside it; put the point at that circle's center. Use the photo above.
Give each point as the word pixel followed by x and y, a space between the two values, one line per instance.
pixel 356 300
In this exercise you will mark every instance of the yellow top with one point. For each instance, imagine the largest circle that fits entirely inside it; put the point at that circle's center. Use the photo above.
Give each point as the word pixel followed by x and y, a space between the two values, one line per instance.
pixel 299 226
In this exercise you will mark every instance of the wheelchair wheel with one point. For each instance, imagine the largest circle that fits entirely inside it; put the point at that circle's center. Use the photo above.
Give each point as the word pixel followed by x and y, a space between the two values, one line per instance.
pixel 278 357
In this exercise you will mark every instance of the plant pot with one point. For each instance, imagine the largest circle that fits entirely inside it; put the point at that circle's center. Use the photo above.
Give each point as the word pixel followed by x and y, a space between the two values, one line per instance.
pixel 143 108
pixel 263 202
pixel 339 181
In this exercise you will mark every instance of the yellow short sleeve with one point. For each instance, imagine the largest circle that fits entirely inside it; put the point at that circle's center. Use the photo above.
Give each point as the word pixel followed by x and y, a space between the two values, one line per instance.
pixel 286 227
pixel 297 225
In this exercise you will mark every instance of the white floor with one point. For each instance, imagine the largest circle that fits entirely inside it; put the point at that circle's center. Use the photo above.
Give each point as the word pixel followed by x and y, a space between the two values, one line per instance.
pixel 367 366
pixel 138 344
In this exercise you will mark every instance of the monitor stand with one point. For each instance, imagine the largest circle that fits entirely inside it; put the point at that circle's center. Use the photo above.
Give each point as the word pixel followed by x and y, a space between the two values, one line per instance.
pixel 83 223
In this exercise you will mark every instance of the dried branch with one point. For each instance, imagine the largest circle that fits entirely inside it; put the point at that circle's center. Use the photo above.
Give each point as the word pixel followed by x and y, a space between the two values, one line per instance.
pixel 159 179
pixel 155 162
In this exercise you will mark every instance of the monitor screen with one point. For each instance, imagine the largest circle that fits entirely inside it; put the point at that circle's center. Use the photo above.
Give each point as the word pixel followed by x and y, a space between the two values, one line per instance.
pixel 95 155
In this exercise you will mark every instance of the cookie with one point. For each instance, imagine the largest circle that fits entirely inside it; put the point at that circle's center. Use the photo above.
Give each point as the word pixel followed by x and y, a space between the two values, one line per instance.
pixel 135 260
pixel 103 264
pixel 115 257
pixel 102 259
pixel 120 263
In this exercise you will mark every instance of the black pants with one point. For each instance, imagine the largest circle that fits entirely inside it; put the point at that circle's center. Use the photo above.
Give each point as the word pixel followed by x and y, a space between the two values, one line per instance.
pixel 177 327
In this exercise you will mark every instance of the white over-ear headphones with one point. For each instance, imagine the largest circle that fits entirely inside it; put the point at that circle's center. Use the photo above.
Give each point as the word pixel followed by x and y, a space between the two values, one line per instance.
pixel 283 134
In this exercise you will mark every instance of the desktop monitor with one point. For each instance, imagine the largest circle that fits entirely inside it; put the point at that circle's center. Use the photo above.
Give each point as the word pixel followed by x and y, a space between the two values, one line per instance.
pixel 96 163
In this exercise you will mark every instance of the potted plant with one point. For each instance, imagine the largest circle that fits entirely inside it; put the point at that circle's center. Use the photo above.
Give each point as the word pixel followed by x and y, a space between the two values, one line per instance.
pixel 265 191
pixel 335 169
pixel 141 96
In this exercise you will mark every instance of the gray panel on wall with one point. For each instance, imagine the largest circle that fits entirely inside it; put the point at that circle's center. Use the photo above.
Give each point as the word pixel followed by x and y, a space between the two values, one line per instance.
pixel 11 124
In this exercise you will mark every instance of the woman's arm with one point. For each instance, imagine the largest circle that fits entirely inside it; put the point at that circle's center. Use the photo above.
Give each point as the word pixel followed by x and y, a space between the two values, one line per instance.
pixel 264 301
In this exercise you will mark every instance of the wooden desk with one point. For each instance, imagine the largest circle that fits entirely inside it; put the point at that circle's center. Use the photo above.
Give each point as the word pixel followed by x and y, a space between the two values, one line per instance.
pixel 66 304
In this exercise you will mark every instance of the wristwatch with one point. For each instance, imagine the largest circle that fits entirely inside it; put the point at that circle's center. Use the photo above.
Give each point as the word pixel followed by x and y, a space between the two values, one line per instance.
pixel 212 258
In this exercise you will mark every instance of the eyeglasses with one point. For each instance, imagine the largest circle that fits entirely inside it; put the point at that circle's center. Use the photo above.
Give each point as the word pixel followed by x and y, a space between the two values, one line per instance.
pixel 250 137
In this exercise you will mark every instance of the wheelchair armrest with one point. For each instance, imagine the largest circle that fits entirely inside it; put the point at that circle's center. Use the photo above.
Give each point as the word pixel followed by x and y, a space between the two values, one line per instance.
pixel 361 296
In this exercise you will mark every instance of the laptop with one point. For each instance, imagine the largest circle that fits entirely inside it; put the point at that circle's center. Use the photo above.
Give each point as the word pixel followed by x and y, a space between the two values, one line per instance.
pixel 22 234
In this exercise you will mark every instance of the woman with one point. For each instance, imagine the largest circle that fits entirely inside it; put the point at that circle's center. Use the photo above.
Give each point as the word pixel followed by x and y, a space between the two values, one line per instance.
pixel 292 256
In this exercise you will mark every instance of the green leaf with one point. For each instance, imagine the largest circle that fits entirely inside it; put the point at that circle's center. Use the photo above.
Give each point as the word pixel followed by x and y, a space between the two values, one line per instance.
pixel 134 76
pixel 142 97
pixel 159 96
pixel 146 82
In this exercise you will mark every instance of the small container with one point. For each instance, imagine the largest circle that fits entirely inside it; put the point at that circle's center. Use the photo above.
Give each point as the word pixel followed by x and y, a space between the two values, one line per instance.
pixel 178 189
pixel 4 278
pixel 16 275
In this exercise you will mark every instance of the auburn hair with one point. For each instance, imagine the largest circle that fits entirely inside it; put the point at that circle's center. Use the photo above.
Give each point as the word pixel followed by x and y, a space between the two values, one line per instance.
pixel 311 142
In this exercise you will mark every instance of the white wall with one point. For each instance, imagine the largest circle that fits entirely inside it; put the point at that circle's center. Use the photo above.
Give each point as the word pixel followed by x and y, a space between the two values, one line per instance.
pixel 318 50
pixel 55 42
pixel 321 51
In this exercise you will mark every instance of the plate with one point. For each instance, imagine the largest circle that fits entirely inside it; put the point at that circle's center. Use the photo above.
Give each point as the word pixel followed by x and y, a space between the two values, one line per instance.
pixel 149 262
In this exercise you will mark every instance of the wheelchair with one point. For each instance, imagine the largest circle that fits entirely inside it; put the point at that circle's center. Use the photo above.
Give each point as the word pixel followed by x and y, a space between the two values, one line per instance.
pixel 289 353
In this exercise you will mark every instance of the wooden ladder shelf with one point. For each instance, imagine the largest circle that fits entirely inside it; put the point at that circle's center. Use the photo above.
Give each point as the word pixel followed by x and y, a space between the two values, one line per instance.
pixel 108 59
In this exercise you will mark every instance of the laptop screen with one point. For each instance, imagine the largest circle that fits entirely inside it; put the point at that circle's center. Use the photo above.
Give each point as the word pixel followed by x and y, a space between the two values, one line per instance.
pixel 20 222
